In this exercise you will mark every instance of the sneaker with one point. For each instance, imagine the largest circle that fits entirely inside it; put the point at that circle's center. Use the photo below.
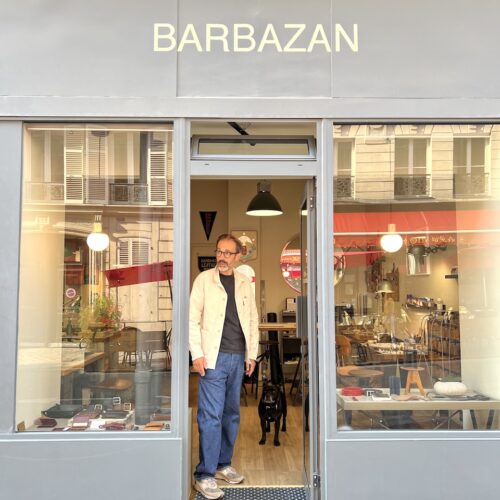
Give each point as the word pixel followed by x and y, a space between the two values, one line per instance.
pixel 208 488
pixel 229 474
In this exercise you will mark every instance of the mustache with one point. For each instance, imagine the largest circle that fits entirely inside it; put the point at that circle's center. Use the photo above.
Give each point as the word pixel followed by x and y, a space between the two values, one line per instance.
pixel 222 262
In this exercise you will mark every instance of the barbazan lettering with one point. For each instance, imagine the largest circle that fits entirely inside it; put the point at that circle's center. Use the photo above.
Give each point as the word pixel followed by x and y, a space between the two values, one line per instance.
pixel 165 39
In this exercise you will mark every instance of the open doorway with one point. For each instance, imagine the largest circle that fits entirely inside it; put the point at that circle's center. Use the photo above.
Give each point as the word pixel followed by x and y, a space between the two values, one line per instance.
pixel 218 207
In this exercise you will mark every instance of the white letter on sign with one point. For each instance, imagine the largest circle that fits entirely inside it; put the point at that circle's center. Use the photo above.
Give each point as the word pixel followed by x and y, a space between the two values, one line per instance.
pixel 222 37
pixel 353 44
pixel 190 32
pixel 319 38
pixel 300 29
pixel 238 36
pixel 170 35
pixel 273 40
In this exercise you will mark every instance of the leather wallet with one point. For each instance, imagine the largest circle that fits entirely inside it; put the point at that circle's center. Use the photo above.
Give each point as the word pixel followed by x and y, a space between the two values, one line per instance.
pixel 113 426
pixel 80 421
pixel 153 426
pixel 47 422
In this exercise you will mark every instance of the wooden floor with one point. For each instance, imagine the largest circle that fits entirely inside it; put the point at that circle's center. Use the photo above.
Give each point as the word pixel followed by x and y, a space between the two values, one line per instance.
pixel 261 465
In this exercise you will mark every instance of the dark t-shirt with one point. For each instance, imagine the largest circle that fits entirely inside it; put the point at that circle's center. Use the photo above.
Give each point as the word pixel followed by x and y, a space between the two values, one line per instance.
pixel 233 339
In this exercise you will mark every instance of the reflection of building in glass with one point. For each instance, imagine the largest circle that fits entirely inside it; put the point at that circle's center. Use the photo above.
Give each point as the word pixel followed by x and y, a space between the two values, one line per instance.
pixel 437 185
pixel 87 164
pixel 405 162
pixel 75 175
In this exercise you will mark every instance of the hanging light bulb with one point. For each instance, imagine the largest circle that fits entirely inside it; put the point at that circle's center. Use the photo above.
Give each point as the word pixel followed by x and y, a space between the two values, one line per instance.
pixel 391 241
pixel 97 240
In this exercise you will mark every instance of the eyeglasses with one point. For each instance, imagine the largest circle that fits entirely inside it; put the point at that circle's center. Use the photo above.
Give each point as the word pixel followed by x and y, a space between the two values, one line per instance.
pixel 226 253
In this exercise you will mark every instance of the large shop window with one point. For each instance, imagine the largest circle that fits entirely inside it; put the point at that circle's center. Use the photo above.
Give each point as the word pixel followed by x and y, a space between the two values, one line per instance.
pixel 95 300
pixel 417 268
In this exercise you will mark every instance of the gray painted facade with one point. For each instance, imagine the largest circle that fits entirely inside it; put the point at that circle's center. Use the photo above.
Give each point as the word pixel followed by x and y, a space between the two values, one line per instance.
pixel 94 60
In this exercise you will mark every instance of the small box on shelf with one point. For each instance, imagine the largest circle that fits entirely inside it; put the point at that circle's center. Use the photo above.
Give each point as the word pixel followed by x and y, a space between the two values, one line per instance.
pixel 288 316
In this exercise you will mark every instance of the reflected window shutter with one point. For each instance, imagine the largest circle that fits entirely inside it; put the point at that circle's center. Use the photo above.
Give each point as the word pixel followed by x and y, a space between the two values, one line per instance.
pixel 133 252
pixel 140 252
pixel 97 162
pixel 74 141
pixel 123 252
pixel 157 168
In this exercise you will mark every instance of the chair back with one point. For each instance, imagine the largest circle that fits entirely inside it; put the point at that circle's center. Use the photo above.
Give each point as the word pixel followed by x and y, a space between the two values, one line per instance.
pixel 344 349
pixel 291 347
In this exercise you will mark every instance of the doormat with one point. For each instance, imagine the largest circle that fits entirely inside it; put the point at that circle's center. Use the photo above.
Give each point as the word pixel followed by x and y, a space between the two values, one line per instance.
pixel 261 494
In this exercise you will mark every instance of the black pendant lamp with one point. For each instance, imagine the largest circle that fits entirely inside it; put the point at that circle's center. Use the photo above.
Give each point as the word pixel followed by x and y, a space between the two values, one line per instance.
pixel 264 204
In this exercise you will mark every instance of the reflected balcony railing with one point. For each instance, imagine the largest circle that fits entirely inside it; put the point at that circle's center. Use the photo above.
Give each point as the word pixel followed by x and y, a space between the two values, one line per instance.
pixel 128 194
pixel 412 186
pixel 44 192
pixel 472 184
pixel 343 187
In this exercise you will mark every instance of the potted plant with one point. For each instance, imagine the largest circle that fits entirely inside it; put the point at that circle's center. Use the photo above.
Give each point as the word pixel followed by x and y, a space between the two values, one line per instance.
pixel 102 315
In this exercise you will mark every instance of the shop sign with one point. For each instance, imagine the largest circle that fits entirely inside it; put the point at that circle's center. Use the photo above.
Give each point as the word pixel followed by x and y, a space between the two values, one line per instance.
pixel 206 262
pixel 244 37
pixel 70 293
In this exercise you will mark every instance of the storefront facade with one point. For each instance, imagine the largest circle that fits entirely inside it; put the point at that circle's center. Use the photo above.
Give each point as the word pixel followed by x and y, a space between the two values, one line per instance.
pixel 401 101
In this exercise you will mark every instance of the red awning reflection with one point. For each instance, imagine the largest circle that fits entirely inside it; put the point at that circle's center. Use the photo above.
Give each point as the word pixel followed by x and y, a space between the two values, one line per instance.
pixel 134 275
pixel 417 221
pixel 362 230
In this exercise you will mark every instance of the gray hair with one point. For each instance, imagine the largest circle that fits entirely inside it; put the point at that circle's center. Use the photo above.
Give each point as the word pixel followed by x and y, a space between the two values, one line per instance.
pixel 230 237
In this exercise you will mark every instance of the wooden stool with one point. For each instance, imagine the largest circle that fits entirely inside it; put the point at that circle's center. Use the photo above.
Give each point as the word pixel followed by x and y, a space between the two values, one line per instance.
pixel 365 376
pixel 414 378
pixel 110 387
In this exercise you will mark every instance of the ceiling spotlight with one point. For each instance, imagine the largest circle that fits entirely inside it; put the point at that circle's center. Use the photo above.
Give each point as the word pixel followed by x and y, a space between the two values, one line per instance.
pixel 264 204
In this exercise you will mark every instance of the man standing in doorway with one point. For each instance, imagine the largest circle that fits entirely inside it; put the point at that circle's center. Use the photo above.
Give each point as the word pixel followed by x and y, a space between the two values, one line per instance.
pixel 223 340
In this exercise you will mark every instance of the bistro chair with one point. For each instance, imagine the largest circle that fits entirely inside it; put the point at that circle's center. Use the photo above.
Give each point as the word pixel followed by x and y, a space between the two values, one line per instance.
pixel 127 345
pixel 291 349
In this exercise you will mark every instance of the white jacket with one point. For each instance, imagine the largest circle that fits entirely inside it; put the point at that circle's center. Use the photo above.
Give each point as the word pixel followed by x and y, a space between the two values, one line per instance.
pixel 207 311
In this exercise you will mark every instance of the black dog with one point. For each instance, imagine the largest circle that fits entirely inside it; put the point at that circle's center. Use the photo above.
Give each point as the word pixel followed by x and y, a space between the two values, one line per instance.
pixel 272 408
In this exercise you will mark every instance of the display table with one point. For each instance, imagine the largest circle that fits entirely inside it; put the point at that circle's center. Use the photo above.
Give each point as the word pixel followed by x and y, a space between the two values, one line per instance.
pixel 365 404
pixel 278 327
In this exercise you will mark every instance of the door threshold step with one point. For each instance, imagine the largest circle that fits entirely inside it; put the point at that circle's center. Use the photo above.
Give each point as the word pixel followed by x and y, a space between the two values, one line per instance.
pixel 240 492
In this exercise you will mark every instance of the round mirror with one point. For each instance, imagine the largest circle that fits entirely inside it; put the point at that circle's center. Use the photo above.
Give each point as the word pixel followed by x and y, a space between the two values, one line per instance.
pixel 290 263
pixel 291 266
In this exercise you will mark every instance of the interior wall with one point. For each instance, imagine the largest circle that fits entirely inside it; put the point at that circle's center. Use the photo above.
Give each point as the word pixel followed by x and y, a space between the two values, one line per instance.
pixel 230 199
pixel 208 196
pixel 272 233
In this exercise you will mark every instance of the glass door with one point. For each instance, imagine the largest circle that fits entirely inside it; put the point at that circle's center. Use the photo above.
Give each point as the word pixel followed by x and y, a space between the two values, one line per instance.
pixel 307 328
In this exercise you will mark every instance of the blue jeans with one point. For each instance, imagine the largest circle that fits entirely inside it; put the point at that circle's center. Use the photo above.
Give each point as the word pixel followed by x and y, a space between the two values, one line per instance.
pixel 219 413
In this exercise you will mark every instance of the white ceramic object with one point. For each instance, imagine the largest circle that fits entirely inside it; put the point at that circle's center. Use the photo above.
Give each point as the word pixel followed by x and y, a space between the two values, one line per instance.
pixel 450 388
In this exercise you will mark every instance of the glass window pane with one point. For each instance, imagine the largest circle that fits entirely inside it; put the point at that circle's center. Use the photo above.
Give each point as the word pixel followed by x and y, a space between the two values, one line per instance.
pixel 460 152
pixel 477 152
pixel 402 151
pixel 419 154
pixel 95 320
pixel 344 154
pixel 416 323
pixel 255 147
